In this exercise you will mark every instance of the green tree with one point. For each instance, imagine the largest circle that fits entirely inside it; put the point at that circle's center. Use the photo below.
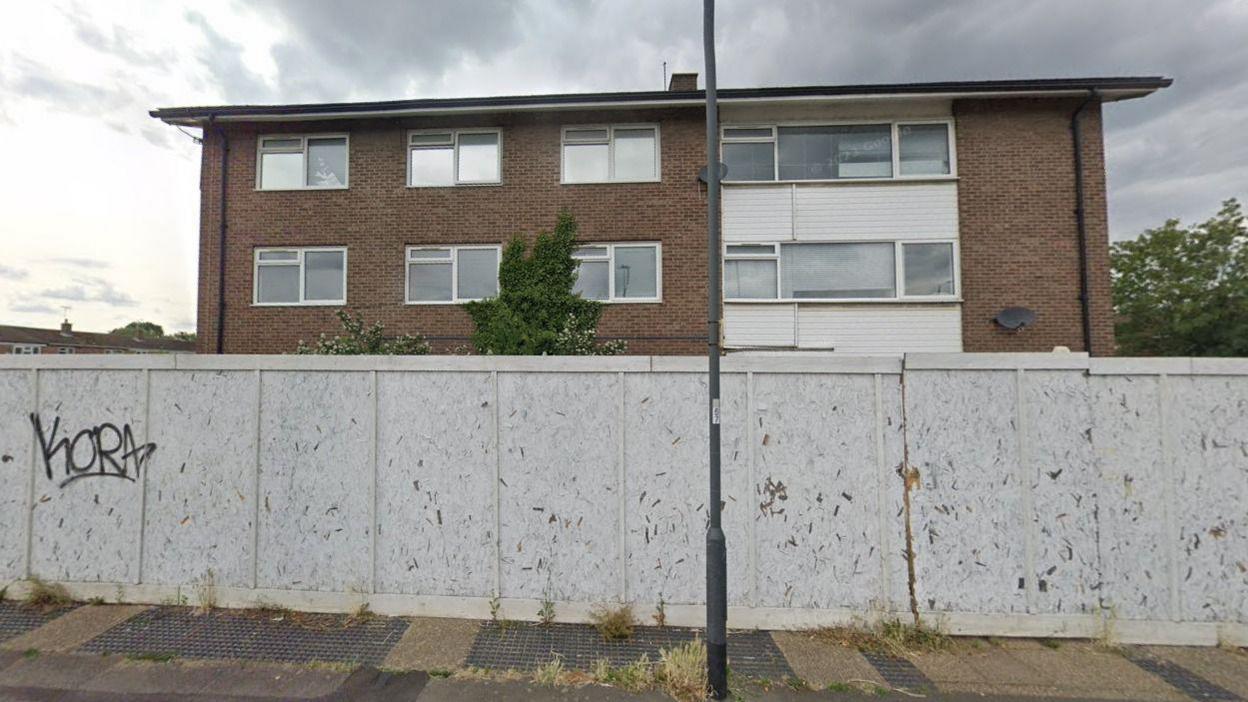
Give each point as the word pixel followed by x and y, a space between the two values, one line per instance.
pixel 141 330
pixel 184 336
pixel 536 312
pixel 1183 291
pixel 356 340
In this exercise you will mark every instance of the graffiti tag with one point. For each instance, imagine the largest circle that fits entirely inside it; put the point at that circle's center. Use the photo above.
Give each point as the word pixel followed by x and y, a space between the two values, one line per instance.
pixel 99 451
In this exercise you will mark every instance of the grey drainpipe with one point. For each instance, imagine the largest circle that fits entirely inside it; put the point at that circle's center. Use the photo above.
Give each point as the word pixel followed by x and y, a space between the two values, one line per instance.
pixel 225 153
pixel 1081 224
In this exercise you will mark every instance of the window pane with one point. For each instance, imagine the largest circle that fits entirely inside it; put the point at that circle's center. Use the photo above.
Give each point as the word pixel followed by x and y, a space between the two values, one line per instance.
pixel 426 139
pixel 283 144
pixel 585 135
pixel 277 284
pixel 585 163
pixel 428 282
pixel 429 254
pixel 279 255
pixel 279 171
pixel 855 151
pixel 747 133
pixel 478 273
pixel 924 149
pixel 750 161
pixel 433 166
pixel 590 252
pixel 929 269
pixel 322 276
pixel 636 271
pixel 751 250
pixel 591 280
pixel 837 270
pixel 750 279
pixel 478 158
pixel 327 162
pixel 634 154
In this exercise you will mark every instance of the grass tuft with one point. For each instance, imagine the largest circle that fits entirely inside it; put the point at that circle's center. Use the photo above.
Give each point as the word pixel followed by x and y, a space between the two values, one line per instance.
pixel 615 624
pixel 550 672
pixel 47 596
pixel 150 656
pixel 890 636
pixel 682 671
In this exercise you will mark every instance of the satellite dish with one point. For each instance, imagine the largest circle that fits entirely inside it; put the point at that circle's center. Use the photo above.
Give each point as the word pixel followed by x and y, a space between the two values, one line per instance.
pixel 1015 318
pixel 705 178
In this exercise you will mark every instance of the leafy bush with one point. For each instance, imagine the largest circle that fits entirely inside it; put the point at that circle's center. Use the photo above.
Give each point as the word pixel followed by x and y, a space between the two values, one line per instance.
pixel 356 340
pixel 615 624
pixel 536 312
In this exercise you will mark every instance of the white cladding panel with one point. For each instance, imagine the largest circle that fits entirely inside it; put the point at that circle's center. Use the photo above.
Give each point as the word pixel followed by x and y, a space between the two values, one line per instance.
pixel 855 212
pixel 759 325
pixel 758 213
pixel 856 329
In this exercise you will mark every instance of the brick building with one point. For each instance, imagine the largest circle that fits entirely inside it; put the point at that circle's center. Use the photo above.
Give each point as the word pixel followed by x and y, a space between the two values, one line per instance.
pixel 857 219
pixel 31 341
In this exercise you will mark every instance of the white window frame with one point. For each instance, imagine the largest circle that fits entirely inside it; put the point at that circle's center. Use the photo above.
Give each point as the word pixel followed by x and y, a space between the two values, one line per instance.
pixel 610 259
pixel 895 134
pixel 454 261
pixel 899 278
pixel 65 350
pixel 300 250
pixel 26 349
pixel 303 149
pixel 611 129
pixel 454 144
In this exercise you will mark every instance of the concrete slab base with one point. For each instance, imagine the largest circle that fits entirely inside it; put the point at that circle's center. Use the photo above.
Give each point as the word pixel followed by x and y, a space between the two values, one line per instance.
pixel 73 629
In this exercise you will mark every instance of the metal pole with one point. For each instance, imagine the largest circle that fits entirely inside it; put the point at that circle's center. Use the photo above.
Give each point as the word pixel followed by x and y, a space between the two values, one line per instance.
pixel 716 549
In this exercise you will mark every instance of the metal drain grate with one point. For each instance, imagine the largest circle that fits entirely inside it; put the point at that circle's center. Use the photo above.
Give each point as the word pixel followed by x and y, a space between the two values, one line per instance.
pixel 1181 678
pixel 289 638
pixel 898 672
pixel 527 646
pixel 17 619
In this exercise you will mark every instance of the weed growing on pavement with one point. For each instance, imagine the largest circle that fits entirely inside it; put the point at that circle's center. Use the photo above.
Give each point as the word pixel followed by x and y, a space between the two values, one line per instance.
pixel 550 672
pixel 888 636
pixel 206 593
pixel 47 596
pixel 615 624
pixel 150 656
pixel 30 653
pixel 660 613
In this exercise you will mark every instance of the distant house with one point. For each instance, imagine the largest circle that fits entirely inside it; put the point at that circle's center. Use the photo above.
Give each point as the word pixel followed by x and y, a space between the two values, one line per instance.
pixel 32 340
pixel 856 218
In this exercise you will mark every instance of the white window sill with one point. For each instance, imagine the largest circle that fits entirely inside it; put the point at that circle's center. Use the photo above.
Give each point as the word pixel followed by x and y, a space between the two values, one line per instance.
pixel 294 190
pixel 610 182
pixel 849 181
pixel 422 303
pixel 318 303
pixel 933 300
pixel 451 186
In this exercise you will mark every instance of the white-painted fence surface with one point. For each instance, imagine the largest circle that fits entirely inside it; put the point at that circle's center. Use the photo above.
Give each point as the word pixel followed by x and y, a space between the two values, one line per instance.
pixel 1050 494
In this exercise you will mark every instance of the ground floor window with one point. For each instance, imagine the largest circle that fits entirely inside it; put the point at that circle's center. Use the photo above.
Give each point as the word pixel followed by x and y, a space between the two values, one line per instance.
pixel 619 272
pixel 26 349
pixel 838 271
pixel 302 276
pixel 451 274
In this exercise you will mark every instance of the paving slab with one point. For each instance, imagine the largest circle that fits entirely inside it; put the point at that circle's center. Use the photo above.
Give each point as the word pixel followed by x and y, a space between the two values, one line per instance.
pixel 820 663
pixel 232 679
pixel 1225 668
pixel 456 690
pixel 74 628
pixel 433 644
pixel 54 671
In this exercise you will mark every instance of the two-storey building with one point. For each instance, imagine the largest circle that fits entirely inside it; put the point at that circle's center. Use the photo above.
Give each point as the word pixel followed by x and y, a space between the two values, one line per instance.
pixel 857 219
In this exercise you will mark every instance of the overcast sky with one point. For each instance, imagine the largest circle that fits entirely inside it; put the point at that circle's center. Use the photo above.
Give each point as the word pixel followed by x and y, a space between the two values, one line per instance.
pixel 99 204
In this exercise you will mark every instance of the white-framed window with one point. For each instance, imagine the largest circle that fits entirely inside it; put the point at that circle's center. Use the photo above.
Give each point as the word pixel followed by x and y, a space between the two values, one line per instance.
pixel 445 157
pixel 65 350
pixel 445 275
pixel 827 271
pixel 302 162
pixel 26 349
pixel 625 272
pixel 300 276
pixel 831 152
pixel 625 153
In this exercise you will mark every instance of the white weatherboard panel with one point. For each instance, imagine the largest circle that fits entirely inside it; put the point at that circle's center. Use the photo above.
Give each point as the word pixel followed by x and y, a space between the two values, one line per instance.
pixel 891 211
pixel 764 325
pixel 758 213
pixel 867 329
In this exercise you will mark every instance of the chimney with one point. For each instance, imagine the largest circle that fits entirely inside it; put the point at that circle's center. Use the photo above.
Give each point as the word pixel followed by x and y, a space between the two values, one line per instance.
pixel 67 329
pixel 683 82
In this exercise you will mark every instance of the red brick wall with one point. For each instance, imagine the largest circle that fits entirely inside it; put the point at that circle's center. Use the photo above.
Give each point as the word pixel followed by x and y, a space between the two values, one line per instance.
pixel 1016 203
pixel 378 216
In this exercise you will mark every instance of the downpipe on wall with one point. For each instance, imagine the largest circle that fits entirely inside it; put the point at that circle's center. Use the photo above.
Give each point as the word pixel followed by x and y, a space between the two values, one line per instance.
pixel 225 160
pixel 1081 225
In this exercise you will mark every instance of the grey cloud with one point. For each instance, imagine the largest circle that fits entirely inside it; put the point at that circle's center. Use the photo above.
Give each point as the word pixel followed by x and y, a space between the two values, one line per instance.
pixel 34 80
pixel 118 41
pixel 33 308
pixel 223 58
pixel 11 273
pixel 79 262
pixel 90 290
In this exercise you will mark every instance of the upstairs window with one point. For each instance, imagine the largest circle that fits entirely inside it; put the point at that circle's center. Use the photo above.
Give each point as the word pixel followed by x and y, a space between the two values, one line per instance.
pixel 26 349
pixel 618 272
pixel 837 152
pixel 310 276
pixel 294 162
pixel 834 271
pixel 450 274
pixel 611 154
pixel 439 158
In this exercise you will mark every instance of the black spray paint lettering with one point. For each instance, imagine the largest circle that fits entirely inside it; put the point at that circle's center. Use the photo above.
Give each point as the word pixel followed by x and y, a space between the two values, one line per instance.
pixel 99 451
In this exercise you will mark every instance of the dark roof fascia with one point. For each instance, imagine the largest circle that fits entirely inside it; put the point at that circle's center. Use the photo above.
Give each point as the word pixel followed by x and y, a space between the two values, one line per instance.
pixel 1109 87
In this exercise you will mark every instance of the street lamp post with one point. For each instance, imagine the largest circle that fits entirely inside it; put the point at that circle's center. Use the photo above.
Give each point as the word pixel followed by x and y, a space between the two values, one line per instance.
pixel 716 549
